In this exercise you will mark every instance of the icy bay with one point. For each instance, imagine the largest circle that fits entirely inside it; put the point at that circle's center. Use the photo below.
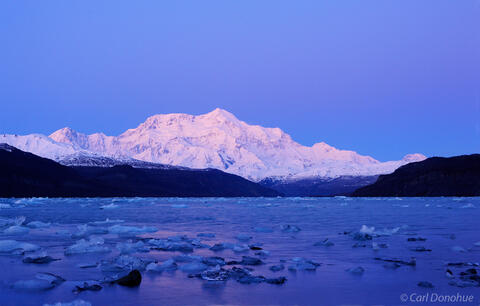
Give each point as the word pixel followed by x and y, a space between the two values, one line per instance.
pixel 304 251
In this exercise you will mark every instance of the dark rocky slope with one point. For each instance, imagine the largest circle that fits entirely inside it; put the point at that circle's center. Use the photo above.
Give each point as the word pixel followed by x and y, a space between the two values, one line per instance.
pixel 24 174
pixel 436 176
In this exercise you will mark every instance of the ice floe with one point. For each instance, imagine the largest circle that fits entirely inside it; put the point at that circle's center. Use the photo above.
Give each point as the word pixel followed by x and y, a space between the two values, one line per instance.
pixel 84 230
pixel 123 263
pixel 72 303
pixel 94 245
pixel 42 281
pixel 193 267
pixel 168 265
pixel 299 264
pixel 13 246
pixel 123 230
pixel 109 206
pixel 105 222
pixel 356 270
pixel 41 258
pixel 132 247
pixel 290 228
pixel 16 230
pixel 324 243
pixel 38 224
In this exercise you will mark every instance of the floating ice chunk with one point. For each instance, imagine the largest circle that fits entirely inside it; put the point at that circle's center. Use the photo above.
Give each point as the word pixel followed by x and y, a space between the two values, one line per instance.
pixel 251 261
pixel 168 265
pixel 243 237
pixel 3 205
pixel 263 230
pixel 215 274
pixel 214 261
pixel 193 267
pixel 84 231
pixel 188 258
pixel 10 246
pixel 389 231
pixel 130 247
pixel 32 285
pixel 300 263
pixel 219 247
pixel 123 230
pixel 179 205
pixel 469 205
pixel 109 206
pixel 165 245
pixel 16 230
pixel 87 265
pixel 290 228
pixel 42 281
pixel 206 235
pixel 356 270
pixel 41 258
pixel 38 224
pixel 276 268
pixel 123 263
pixel 240 248
pixel 367 230
pixel 420 249
pixel 477 244
pixel 231 246
pixel 325 243
pixel 50 277
pixel 105 222
pixel 87 287
pixel 412 262
pixel 361 236
pixel 94 245
pixel 72 303
pixel 458 249
pixel 262 253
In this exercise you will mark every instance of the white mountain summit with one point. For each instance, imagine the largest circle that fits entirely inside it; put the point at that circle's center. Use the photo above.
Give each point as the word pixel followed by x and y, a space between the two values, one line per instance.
pixel 219 140
pixel 214 140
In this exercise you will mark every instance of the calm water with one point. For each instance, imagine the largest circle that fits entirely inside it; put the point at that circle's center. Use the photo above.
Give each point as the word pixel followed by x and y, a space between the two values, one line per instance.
pixel 450 225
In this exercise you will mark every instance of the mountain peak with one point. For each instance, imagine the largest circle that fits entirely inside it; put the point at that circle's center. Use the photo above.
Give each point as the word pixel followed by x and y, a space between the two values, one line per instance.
pixel 64 131
pixel 220 114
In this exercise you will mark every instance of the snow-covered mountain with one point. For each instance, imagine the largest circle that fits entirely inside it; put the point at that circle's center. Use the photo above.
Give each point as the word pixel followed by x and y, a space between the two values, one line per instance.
pixel 219 140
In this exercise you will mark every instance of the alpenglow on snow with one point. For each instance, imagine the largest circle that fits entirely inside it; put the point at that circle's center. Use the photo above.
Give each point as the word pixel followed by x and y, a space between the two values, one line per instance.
pixel 213 140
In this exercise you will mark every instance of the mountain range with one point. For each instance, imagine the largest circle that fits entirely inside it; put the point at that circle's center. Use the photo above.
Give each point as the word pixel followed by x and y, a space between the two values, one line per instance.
pixel 214 140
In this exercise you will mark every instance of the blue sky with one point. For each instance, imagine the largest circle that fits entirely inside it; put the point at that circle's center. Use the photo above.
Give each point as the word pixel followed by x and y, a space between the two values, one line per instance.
pixel 384 78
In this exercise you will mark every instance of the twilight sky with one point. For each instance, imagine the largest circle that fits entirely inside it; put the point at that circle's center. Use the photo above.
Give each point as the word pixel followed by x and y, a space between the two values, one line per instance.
pixel 383 78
